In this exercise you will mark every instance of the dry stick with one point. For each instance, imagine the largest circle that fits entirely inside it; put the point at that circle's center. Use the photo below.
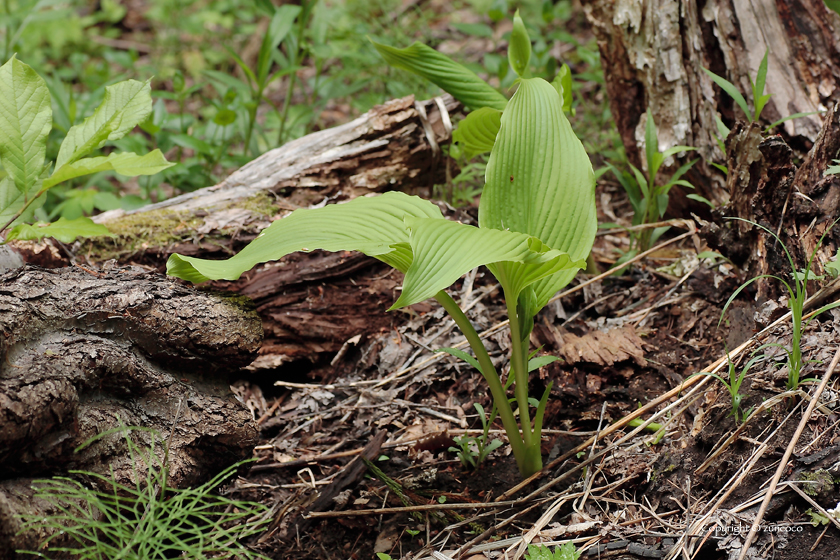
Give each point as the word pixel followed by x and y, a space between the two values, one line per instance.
pixel 788 452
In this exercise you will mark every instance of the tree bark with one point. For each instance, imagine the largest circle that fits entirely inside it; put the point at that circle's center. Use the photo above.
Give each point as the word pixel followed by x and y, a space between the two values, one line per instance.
pixel 798 203
pixel 85 352
pixel 653 53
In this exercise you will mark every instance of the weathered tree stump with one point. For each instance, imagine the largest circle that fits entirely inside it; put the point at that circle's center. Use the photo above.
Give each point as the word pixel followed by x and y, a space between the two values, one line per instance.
pixel 653 53
pixel 798 203
pixel 85 352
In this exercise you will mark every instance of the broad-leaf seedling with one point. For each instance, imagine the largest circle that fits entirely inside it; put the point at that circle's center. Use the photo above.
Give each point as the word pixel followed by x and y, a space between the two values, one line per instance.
pixel 537 223
pixel 25 123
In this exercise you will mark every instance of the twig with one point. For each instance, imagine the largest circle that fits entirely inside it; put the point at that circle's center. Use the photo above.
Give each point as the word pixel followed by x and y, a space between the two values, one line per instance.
pixel 788 452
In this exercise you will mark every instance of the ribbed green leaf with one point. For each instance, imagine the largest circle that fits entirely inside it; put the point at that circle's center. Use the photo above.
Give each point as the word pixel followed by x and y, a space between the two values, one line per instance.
pixel 444 72
pixel 540 181
pixel 125 104
pixel 444 250
pixel 66 231
pixel 25 123
pixel 374 226
pixel 476 134
pixel 129 164
pixel 519 48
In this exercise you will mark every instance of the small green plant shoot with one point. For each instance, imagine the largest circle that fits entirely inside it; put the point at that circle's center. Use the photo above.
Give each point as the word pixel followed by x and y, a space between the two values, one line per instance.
pixel 541 552
pixel 650 200
pixel 760 98
pixel 797 289
pixel 147 520
pixel 25 123
pixel 537 224
pixel 733 386
pixel 471 450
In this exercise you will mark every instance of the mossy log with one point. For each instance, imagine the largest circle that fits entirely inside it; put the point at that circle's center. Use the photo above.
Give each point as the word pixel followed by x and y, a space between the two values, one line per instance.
pixel 84 352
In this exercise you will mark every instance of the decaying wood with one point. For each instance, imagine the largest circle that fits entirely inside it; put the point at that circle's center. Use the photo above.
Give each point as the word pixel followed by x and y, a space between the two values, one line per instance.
pixel 798 203
pixel 84 352
pixel 653 53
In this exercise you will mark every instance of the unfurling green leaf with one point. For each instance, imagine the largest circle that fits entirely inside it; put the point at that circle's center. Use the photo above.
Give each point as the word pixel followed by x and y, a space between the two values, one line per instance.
pixel 476 134
pixel 519 49
pixel 563 84
pixel 25 123
pixel 66 231
pixel 125 105
pixel 444 72
pixel 374 226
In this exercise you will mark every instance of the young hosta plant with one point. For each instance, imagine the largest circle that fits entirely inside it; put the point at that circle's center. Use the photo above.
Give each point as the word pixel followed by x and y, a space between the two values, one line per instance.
pixel 25 123
pixel 537 224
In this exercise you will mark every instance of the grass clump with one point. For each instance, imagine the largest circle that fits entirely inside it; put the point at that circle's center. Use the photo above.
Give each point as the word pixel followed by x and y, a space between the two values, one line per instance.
pixel 146 520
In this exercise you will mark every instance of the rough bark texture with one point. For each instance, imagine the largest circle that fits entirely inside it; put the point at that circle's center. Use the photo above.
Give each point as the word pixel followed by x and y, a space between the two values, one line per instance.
pixel 653 52
pixel 798 203
pixel 86 352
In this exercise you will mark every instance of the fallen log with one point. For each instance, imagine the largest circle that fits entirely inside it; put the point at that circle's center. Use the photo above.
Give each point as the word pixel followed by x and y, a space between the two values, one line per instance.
pixel 395 146
pixel 84 352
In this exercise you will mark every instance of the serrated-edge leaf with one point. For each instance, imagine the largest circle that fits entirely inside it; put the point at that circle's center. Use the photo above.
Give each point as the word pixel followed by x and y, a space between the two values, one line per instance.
pixel 128 163
pixel 458 81
pixel 374 226
pixel 540 181
pixel 25 123
pixel 444 251
pixel 124 106
pixel 476 134
pixel 66 231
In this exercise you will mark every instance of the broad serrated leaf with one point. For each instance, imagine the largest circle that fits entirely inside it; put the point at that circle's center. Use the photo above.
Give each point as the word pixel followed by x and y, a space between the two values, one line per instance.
pixel 476 134
pixel 25 123
pixel 66 231
pixel 444 250
pixel 124 106
pixel 519 48
pixel 374 226
pixel 540 181
pixel 129 164
pixel 12 200
pixel 444 72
